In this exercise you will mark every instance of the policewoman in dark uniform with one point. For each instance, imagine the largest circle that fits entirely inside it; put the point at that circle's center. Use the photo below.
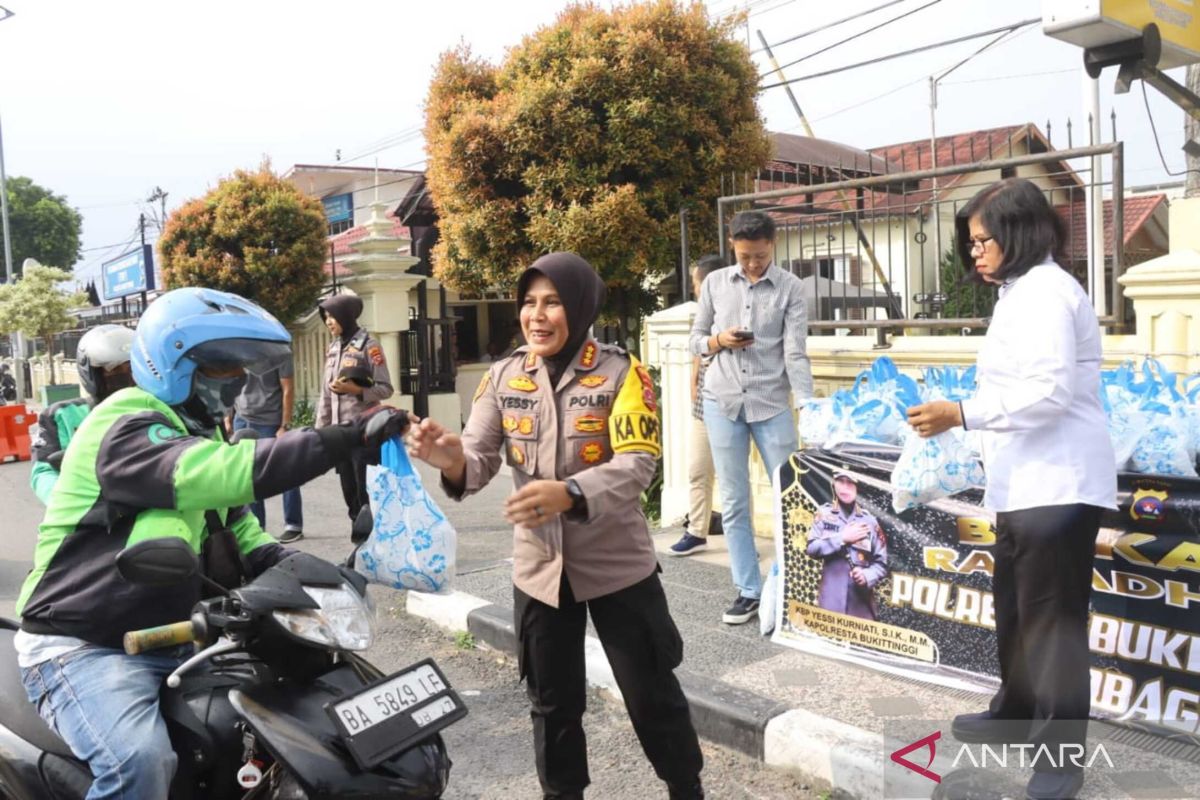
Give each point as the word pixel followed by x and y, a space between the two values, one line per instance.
pixel 356 379
pixel 577 423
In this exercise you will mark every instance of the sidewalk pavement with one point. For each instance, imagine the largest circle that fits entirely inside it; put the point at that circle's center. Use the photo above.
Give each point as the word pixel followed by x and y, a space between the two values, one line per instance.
pixel 797 711
pixel 823 717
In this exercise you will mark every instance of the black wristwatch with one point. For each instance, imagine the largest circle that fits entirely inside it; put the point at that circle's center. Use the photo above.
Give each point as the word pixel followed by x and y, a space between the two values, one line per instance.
pixel 578 501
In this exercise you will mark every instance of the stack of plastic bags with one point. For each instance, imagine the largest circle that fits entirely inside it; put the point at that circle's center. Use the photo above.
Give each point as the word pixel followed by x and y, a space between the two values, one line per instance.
pixel 1155 427
pixel 1153 419
pixel 875 410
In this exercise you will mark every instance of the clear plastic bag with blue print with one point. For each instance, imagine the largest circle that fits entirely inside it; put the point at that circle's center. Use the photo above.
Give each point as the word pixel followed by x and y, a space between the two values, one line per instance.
pixel 412 545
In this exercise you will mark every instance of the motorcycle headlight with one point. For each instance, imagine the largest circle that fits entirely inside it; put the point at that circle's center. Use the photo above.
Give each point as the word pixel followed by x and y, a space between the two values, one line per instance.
pixel 344 620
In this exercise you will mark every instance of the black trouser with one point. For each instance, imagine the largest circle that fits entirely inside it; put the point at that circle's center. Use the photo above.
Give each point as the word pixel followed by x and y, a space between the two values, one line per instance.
pixel 1042 584
pixel 353 475
pixel 643 647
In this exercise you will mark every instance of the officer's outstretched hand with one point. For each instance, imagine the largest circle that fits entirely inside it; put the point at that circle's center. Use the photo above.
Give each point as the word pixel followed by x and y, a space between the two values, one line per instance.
pixel 431 442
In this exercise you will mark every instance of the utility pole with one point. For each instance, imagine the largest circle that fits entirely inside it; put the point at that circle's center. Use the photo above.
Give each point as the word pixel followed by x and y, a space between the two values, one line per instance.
pixel 1191 130
pixel 142 228
pixel 161 196
pixel 894 305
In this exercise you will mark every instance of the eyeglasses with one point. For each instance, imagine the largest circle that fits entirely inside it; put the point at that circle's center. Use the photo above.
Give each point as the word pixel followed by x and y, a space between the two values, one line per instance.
pixel 980 244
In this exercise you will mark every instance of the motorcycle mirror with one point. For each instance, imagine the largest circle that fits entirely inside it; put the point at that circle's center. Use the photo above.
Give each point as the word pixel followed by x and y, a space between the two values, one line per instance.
pixel 157 562
pixel 364 523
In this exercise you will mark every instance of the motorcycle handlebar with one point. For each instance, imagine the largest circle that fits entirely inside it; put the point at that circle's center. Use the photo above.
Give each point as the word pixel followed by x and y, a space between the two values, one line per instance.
pixel 162 636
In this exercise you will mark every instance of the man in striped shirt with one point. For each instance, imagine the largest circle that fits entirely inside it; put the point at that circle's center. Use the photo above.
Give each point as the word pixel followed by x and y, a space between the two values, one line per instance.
pixel 753 324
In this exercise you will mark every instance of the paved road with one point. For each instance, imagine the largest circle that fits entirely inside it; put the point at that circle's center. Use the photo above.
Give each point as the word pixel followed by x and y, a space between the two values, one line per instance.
pixel 493 759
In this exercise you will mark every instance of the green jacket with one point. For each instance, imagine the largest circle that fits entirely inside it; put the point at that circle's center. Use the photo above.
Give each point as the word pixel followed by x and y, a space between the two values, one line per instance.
pixel 133 472
pixel 56 425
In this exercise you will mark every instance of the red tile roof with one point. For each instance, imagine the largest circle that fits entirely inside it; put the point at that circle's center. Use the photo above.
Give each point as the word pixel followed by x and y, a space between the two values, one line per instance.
pixel 342 242
pixel 962 148
pixel 1136 213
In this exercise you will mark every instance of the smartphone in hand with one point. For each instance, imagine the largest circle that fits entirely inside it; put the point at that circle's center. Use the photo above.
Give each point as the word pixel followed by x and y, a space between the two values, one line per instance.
pixel 743 335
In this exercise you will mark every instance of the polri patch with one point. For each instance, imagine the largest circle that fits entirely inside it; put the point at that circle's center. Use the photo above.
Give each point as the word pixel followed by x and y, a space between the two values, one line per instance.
pixel 590 423
pixel 522 384
pixel 591 452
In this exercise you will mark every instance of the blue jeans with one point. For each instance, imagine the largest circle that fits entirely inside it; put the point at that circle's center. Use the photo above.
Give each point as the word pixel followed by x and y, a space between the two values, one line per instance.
pixel 730 443
pixel 104 704
pixel 293 507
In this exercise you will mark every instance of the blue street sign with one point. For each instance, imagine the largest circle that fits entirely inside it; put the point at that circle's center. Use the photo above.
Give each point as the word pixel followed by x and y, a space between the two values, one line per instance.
pixel 128 274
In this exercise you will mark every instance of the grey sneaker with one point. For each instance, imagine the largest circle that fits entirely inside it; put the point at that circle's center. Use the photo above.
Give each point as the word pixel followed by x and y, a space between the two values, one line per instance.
pixel 291 535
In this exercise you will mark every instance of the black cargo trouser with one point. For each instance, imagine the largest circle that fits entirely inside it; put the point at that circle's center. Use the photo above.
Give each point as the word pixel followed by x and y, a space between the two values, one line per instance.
pixel 353 475
pixel 1042 587
pixel 643 648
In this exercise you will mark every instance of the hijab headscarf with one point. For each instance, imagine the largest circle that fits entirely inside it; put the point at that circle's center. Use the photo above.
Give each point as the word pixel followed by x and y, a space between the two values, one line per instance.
pixel 346 309
pixel 582 293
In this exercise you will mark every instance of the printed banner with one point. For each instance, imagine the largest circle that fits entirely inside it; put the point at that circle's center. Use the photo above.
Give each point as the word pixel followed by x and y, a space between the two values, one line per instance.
pixel 912 593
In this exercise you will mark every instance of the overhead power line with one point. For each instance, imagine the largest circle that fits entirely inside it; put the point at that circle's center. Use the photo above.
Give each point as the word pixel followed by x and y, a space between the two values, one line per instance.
pixel 860 34
pixel 829 25
pixel 901 54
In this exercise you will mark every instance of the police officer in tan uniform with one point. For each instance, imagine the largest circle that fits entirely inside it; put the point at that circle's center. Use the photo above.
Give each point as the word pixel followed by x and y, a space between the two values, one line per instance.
pixel 356 379
pixel 577 422
pixel 853 546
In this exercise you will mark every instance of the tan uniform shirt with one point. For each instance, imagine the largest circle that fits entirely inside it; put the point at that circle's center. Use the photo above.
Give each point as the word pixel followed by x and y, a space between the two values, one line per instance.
pixel 362 350
pixel 599 427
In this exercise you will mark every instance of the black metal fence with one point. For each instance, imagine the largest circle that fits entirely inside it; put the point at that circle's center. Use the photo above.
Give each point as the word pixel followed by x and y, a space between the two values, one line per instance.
pixel 879 251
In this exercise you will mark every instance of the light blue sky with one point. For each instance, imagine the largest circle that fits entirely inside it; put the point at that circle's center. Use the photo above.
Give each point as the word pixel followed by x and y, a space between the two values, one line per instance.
pixel 102 100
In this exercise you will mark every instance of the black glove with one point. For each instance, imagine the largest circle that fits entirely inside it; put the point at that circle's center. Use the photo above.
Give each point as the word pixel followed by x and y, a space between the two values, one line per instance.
pixel 382 423
pixel 369 431
pixel 55 459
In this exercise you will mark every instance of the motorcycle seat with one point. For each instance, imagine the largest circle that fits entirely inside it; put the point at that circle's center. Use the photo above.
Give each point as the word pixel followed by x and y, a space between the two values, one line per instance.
pixel 16 712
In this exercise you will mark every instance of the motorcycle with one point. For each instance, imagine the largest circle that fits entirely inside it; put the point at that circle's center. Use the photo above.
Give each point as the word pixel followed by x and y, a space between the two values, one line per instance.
pixel 274 704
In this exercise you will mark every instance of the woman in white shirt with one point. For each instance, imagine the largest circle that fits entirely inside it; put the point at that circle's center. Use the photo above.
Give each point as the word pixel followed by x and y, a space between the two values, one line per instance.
pixel 1050 473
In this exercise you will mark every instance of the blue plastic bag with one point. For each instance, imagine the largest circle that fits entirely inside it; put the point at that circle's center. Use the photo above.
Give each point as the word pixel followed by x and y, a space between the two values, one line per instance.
pixel 412 545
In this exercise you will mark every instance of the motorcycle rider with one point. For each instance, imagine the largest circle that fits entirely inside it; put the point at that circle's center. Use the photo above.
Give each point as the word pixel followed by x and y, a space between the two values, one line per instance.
pixel 102 361
pixel 151 462
pixel 8 386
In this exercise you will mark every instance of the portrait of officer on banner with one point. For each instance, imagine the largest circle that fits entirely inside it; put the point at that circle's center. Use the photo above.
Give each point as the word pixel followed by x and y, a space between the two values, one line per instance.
pixel 853 547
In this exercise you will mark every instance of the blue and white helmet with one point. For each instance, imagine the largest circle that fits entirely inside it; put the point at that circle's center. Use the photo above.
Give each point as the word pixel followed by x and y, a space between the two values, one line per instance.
pixel 193 327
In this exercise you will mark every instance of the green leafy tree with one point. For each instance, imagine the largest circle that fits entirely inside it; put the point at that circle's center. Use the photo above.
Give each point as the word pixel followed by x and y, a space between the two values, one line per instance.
pixel 37 307
pixel 43 227
pixel 590 136
pixel 255 235
pixel 964 298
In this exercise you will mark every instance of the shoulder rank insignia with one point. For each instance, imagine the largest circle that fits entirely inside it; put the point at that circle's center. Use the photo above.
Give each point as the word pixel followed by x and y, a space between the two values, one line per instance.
pixel 589 423
pixel 522 384
pixel 647 388
pixel 592 381
pixel 591 452
pixel 587 358
pixel 483 384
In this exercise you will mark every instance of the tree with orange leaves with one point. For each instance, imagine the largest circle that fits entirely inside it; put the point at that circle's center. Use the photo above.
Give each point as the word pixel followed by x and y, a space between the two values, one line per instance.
pixel 255 235
pixel 590 136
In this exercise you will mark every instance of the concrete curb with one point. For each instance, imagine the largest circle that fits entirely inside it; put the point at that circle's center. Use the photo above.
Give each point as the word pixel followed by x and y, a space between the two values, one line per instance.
pixel 826 749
